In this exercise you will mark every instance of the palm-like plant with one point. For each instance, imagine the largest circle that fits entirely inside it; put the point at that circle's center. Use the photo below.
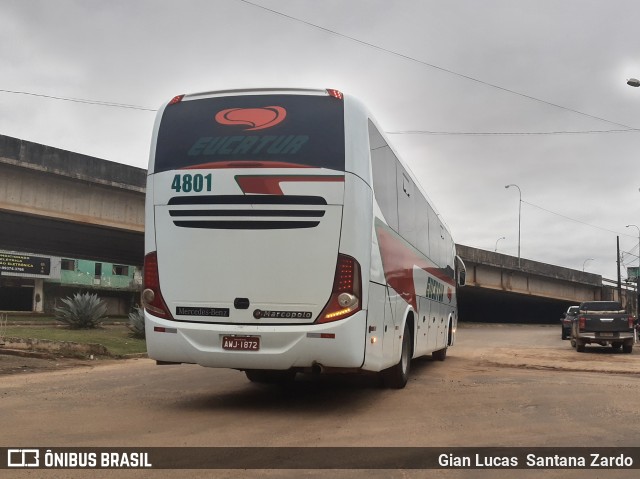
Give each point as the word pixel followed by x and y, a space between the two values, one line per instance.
pixel 83 311
pixel 136 323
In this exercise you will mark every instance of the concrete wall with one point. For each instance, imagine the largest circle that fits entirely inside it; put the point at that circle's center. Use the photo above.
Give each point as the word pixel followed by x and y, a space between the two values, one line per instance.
pixel 83 274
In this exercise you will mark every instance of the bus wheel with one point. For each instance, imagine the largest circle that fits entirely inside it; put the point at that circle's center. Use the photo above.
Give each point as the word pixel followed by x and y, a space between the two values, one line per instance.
pixel 267 376
pixel 396 377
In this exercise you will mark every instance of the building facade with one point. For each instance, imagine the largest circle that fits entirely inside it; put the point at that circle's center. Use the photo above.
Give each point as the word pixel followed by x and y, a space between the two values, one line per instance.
pixel 35 283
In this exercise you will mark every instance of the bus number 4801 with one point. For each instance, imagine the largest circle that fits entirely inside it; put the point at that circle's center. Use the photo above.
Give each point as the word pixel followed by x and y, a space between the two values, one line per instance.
pixel 188 183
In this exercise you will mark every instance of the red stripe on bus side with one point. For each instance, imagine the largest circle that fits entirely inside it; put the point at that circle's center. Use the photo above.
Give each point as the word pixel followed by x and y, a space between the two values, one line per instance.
pixel 398 261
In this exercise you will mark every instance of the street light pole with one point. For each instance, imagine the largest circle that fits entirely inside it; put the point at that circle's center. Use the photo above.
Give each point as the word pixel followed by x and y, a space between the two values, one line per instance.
pixel 585 262
pixel 637 275
pixel 519 217
pixel 634 82
pixel 496 250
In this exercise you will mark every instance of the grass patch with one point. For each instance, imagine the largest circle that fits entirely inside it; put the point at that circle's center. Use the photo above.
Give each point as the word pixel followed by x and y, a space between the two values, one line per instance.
pixel 117 339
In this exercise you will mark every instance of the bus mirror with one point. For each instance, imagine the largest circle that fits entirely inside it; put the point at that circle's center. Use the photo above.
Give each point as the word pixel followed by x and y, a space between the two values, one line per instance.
pixel 462 278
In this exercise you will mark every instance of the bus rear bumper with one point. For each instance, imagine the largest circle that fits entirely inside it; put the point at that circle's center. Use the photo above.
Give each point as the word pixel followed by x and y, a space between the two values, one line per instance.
pixel 340 344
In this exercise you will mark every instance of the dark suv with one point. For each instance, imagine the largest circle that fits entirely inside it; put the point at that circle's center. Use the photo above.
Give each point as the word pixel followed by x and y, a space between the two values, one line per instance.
pixel 566 319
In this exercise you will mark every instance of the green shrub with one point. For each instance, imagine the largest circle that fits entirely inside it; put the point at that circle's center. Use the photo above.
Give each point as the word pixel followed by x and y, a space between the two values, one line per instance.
pixel 83 311
pixel 136 323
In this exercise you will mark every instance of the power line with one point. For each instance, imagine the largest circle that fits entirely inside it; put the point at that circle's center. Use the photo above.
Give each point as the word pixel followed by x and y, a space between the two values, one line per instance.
pixel 632 249
pixel 80 100
pixel 507 133
pixel 577 221
pixel 392 52
pixel 408 132
pixel 431 65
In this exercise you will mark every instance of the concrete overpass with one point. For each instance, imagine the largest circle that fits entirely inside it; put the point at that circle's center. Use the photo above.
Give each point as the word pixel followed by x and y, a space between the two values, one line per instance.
pixel 66 204
pixel 501 290
pixel 55 202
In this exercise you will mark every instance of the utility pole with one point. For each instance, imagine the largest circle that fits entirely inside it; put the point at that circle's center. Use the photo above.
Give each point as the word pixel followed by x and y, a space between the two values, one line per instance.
pixel 619 277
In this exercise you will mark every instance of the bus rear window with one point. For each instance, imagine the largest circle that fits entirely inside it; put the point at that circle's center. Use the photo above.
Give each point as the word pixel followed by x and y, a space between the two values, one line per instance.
pixel 299 130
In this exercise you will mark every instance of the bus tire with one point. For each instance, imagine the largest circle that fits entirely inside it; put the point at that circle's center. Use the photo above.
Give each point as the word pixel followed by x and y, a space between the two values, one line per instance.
pixel 396 377
pixel 267 376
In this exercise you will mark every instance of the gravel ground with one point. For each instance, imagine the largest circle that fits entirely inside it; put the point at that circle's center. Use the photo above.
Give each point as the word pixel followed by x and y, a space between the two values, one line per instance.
pixel 12 362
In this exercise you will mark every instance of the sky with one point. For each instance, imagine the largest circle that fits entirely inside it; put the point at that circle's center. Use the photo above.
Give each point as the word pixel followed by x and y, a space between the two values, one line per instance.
pixel 473 95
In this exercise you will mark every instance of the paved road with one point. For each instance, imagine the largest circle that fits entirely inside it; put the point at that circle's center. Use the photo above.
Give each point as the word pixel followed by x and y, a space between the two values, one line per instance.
pixel 501 385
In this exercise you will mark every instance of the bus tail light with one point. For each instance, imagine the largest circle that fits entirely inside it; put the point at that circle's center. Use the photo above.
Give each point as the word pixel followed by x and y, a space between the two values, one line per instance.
pixel 335 93
pixel 346 296
pixel 151 296
pixel 176 99
pixel 582 323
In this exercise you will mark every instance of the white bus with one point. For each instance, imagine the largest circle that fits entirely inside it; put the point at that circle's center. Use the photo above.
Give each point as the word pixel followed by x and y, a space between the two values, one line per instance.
pixel 284 235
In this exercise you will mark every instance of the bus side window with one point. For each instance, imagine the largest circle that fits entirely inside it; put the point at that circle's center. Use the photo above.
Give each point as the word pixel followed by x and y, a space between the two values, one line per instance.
pixel 383 166
pixel 406 206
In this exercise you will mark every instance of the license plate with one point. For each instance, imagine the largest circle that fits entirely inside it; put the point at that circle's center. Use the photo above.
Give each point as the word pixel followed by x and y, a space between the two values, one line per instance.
pixel 241 343
pixel 606 335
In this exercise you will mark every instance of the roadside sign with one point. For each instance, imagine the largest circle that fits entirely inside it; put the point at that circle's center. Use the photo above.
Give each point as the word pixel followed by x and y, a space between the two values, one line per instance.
pixel 632 272
pixel 24 263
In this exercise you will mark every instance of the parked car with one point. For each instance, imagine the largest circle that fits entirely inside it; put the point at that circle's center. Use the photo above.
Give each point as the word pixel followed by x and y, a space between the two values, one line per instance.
pixel 565 320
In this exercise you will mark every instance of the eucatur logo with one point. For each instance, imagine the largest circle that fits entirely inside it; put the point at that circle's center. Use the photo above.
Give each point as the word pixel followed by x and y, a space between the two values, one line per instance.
pixel 254 118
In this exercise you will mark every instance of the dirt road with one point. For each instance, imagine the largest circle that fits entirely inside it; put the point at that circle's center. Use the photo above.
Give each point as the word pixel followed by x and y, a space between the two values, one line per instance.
pixel 500 386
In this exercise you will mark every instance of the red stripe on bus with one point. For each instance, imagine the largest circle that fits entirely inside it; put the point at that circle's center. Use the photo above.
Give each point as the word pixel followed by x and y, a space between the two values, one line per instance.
pixel 398 261
pixel 270 185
